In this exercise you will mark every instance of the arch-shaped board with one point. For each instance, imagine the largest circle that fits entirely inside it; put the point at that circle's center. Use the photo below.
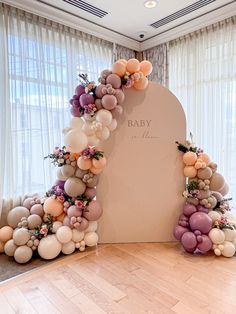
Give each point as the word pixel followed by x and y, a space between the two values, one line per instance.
pixel 142 184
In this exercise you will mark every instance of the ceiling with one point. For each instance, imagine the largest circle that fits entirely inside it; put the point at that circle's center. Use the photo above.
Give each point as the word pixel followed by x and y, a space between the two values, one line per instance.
pixel 131 18
pixel 123 21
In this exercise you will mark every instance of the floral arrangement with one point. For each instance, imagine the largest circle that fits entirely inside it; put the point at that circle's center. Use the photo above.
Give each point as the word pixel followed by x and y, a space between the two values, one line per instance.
pixel 66 218
pixel 206 222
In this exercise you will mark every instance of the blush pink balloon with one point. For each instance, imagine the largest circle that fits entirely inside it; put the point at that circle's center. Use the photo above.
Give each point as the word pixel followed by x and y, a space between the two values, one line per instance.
pixel 86 99
pixel 98 90
pixel 189 240
pixel 200 221
pixel 90 193
pixel 117 112
pixel 98 103
pixel 179 231
pixel 83 224
pixel 189 209
pixel 205 245
pixel 74 211
pixel 93 211
pixel 114 80
pixel 37 209
pixel 109 102
pixel 120 96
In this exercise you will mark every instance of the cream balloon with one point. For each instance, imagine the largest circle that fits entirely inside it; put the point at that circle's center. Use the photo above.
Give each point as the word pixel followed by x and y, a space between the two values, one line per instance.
pixel 104 116
pixel 75 141
pixel 60 176
pixel 23 254
pixel 77 235
pixel 87 129
pixel 10 248
pixel 214 215
pixel 68 248
pixel 64 234
pixel 49 247
pixel 56 225
pixel 229 249
pixel 76 123
pixel 230 234
pixel 91 238
pixel 103 134
pixel 93 141
pixel 217 236
pixel 93 225
pixel 113 125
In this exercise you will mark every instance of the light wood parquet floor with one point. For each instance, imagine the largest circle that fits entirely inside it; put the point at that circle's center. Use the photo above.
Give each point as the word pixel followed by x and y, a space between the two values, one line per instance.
pixel 126 278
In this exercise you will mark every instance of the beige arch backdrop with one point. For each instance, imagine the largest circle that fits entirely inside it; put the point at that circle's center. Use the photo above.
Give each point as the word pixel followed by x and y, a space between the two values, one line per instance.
pixel 141 187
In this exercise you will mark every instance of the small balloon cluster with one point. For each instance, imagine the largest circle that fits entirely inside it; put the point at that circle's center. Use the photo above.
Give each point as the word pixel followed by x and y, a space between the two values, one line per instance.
pixel 66 218
pixel 206 222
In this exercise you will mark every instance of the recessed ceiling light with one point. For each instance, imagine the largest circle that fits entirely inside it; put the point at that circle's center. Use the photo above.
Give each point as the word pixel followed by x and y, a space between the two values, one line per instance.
pixel 150 4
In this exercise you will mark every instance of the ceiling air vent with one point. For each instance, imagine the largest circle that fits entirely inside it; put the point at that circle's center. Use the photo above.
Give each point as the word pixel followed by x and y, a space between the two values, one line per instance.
pixel 87 7
pixel 189 9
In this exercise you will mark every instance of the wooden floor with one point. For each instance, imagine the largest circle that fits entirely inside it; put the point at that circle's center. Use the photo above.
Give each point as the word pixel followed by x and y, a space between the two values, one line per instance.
pixel 126 278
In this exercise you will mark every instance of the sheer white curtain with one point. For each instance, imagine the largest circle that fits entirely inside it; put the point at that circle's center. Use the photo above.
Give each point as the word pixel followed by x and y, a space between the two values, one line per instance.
pixel 40 61
pixel 202 75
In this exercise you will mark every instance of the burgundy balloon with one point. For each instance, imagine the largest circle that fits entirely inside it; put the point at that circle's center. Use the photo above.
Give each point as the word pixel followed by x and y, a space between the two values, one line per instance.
pixel 179 231
pixel 189 240
pixel 189 209
pixel 75 102
pixel 86 99
pixel 205 245
pixel 200 221
pixel 79 90
pixel 90 193
pixel 93 211
pixel 75 111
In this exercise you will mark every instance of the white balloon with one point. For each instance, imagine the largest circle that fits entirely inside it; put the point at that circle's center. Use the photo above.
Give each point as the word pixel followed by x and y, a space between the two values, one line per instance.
pixel 68 248
pixel 21 236
pixel 60 176
pixel 75 141
pixel 230 235
pixel 49 247
pixel 74 186
pixel 93 141
pixel 91 238
pixel 214 215
pixel 93 225
pixel 56 225
pixel 229 249
pixel 217 236
pixel 76 123
pixel 64 234
pixel 23 254
pixel 77 235
pixel 217 252
pixel 104 116
pixel 113 125
pixel 65 131
pixel 103 134
pixel 87 129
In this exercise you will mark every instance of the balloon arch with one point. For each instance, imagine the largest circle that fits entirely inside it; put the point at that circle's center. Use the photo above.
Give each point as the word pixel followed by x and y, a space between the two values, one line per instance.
pixel 66 218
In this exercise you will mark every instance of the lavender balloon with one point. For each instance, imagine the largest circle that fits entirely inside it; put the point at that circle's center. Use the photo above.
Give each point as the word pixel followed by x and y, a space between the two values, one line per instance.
pixel 200 221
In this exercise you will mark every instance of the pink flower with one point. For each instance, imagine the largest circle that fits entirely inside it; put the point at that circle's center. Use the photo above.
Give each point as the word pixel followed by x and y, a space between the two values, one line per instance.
pixel 61 199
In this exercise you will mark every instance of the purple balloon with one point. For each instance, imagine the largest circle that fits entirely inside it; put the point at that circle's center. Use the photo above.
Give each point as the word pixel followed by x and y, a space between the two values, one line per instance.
pixel 179 231
pixel 200 221
pixel 205 245
pixel 60 183
pixel 189 209
pixel 86 99
pixel 75 111
pixel 79 90
pixel 202 209
pixel 189 240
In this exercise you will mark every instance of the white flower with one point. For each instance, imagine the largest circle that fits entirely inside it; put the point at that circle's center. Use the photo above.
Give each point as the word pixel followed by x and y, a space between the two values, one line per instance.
pixel 61 161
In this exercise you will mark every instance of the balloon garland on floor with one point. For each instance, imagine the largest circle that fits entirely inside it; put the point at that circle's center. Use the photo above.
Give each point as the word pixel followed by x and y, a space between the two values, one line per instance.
pixel 206 222
pixel 66 218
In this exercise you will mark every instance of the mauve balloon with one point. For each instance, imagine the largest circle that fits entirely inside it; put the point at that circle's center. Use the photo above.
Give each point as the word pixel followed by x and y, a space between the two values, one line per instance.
pixel 200 221
pixel 179 231
pixel 66 221
pixel 205 245
pixel 98 90
pixel 79 90
pixel 202 209
pixel 83 225
pixel 75 111
pixel 90 193
pixel 189 240
pixel 74 211
pixel 60 183
pixel 189 209
pixel 93 211
pixel 86 99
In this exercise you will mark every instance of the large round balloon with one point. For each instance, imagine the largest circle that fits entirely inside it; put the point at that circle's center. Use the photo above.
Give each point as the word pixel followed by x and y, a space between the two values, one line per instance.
pixel 53 207
pixel 104 116
pixel 14 216
pixel 49 247
pixel 200 221
pixel 75 141
pixel 205 245
pixel 74 186
pixel 189 240
pixel 23 254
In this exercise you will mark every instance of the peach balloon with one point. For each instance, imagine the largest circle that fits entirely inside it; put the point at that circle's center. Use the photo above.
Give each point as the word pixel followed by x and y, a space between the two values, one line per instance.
pixel 190 172
pixel 146 67
pixel 6 233
pixel 204 157
pixel 224 190
pixel 100 163
pixel 96 170
pixel 133 65
pixel 189 158
pixel 119 68
pixel 122 61
pixel 2 247
pixel 61 217
pixel 84 163
pixel 53 207
pixel 141 84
